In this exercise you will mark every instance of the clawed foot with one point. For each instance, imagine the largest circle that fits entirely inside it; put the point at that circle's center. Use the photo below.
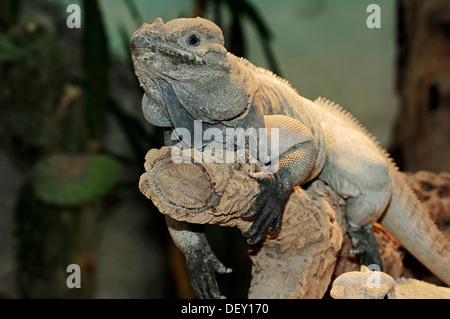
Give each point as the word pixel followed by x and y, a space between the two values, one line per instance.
pixel 202 266
pixel 269 206
pixel 366 246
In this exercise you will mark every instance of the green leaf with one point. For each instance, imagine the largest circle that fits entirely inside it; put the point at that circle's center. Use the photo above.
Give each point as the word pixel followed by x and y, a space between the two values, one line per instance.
pixel 9 52
pixel 74 179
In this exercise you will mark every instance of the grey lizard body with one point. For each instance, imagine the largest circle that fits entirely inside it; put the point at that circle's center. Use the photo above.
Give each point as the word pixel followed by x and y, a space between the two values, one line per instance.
pixel 187 74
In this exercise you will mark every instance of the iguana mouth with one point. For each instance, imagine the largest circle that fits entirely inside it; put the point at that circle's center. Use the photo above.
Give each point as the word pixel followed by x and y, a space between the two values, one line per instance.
pixel 185 57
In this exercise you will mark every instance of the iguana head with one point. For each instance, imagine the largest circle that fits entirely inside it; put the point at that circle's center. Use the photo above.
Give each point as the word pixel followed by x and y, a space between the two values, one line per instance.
pixel 186 42
pixel 189 55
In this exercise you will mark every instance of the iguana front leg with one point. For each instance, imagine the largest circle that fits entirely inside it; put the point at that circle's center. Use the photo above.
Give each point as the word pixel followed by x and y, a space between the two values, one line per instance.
pixel 201 262
pixel 298 150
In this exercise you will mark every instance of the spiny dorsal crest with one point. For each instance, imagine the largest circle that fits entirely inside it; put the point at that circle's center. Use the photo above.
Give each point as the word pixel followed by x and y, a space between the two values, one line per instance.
pixel 264 71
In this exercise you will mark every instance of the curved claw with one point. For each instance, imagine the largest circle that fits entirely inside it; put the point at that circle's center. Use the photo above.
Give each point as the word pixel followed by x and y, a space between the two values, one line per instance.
pixel 250 213
pixel 356 251
pixel 268 207
pixel 202 267
pixel 276 224
pixel 262 177
pixel 366 245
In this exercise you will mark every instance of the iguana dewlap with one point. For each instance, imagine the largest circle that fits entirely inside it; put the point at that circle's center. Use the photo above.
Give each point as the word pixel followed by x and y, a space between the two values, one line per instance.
pixel 188 75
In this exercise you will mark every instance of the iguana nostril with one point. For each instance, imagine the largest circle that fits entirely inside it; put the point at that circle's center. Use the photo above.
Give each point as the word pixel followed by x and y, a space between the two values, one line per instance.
pixel 153 37
pixel 138 42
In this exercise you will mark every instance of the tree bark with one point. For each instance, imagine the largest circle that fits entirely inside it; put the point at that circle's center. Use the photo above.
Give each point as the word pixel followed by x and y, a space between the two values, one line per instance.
pixel 423 83
pixel 299 261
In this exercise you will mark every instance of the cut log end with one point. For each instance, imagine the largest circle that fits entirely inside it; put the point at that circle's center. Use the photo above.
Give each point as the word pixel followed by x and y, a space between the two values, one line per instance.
pixel 187 190
pixel 185 185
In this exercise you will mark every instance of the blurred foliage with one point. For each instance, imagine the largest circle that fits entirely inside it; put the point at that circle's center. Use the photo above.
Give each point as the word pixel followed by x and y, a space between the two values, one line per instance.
pixel 55 109
pixel 241 11
pixel 42 254
pixel 74 179
pixel 31 84
pixel 51 237
pixel 96 66
pixel 9 52
pixel 46 107
pixel 53 123
pixel 9 13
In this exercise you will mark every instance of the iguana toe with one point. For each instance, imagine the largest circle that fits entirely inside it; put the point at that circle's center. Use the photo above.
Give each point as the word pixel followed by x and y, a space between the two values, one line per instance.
pixel 268 207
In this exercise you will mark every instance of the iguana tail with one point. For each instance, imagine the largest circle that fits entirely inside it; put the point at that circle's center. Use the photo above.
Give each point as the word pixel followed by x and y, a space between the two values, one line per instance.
pixel 408 221
pixel 406 218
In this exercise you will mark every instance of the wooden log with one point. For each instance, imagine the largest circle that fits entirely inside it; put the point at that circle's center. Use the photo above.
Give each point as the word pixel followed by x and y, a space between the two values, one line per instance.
pixel 301 259
pixel 199 193
pixel 366 284
pixel 296 262
pixel 433 190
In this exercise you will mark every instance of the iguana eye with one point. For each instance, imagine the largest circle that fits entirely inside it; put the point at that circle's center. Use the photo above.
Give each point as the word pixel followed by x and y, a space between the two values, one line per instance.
pixel 193 40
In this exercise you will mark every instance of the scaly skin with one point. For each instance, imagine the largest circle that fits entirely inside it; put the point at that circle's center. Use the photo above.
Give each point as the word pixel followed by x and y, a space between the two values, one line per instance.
pixel 188 75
